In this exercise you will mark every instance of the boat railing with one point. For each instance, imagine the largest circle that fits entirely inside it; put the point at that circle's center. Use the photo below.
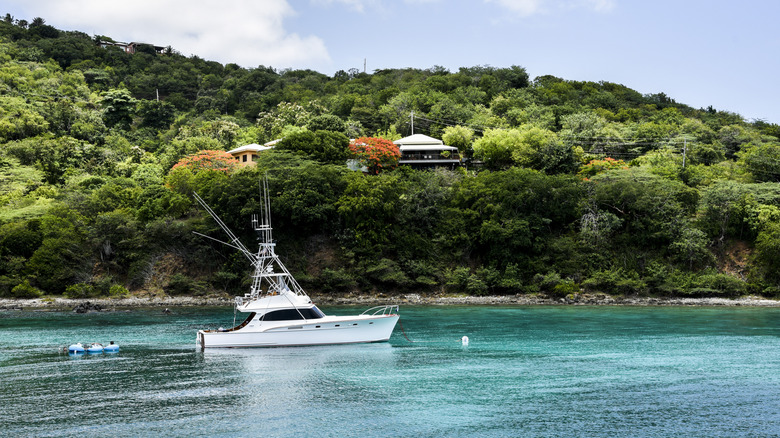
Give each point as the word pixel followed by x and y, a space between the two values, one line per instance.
pixel 389 309
pixel 240 301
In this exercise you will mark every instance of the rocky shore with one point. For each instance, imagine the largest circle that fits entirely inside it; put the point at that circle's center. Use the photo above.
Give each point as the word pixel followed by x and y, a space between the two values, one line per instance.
pixel 103 304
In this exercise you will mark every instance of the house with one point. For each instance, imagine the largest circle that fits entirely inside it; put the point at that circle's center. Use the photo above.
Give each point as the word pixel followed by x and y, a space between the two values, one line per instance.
pixel 130 47
pixel 247 155
pixel 422 152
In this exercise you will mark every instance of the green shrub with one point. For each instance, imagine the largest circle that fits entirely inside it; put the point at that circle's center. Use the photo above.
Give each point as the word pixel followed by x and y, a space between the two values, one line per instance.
pixel 25 290
pixel 331 280
pixel 616 281
pixel 424 280
pixel 180 284
pixel 511 280
pixel 475 286
pixel 771 291
pixel 387 271
pixel 103 285
pixel 81 290
pixel 458 278
pixel 548 281
pixel 225 280
pixel 708 283
pixel 553 284
pixel 723 284
pixel 117 291
pixel 566 287
pixel 7 284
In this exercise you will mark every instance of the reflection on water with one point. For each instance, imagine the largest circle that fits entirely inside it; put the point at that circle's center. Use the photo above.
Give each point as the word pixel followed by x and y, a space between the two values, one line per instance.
pixel 287 378
pixel 538 371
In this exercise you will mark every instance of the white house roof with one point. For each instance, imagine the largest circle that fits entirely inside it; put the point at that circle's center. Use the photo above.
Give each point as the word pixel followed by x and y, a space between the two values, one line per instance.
pixel 254 147
pixel 436 147
pixel 418 139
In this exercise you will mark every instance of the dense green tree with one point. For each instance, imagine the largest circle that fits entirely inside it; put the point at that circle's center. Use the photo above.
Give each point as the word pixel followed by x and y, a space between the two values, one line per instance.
pixel 119 108
pixel 508 215
pixel 367 207
pixel 458 136
pixel 327 122
pixel 768 255
pixel 306 193
pixel 762 160
pixel 63 254
pixel 650 207
pixel 324 146
pixel 18 120
pixel 156 114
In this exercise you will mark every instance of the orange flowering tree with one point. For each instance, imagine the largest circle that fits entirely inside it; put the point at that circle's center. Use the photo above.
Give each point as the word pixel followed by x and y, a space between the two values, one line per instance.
pixel 208 160
pixel 200 166
pixel 375 153
pixel 594 167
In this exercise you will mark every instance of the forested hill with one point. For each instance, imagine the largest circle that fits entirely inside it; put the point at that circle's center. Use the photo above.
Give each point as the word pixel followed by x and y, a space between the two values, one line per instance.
pixel 570 186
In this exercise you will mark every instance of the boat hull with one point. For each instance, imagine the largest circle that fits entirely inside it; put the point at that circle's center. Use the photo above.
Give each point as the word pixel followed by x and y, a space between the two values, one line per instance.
pixel 329 330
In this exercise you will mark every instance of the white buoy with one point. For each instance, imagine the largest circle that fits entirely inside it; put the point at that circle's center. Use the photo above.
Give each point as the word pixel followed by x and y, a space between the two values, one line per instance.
pixel 465 341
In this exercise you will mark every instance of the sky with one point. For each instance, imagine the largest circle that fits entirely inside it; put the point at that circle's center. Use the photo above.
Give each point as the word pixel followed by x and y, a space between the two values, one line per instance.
pixel 700 53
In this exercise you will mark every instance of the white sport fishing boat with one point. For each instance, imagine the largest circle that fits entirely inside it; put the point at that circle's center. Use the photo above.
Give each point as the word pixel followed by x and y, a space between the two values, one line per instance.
pixel 280 312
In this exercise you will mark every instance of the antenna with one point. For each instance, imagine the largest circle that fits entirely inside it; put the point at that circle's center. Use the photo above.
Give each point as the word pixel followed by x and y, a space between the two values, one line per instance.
pixel 263 227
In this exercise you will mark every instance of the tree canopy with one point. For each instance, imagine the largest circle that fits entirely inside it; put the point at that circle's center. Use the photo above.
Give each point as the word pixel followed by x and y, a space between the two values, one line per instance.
pixel 567 186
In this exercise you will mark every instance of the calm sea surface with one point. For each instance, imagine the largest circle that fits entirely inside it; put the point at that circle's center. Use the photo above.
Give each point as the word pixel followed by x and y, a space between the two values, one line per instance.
pixel 528 371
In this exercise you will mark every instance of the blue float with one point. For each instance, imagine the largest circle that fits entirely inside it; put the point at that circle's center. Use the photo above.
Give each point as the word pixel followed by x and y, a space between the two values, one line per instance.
pixel 79 349
pixel 76 349
pixel 95 348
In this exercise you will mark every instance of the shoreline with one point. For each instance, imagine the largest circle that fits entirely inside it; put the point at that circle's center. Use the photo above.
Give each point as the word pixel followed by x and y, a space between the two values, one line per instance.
pixel 101 304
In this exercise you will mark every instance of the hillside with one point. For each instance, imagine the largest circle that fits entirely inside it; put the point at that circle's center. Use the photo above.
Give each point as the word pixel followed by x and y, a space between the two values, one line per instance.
pixel 569 186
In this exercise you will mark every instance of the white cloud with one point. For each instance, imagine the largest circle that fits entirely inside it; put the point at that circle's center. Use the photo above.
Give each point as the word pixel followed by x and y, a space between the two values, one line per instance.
pixel 521 7
pixel 247 32
pixel 358 5
pixel 526 8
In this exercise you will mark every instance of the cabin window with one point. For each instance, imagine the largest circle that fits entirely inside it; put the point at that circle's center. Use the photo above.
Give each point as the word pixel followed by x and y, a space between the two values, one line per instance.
pixel 244 158
pixel 293 315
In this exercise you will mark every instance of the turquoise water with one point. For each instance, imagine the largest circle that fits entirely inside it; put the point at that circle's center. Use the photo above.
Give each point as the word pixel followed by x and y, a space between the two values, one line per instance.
pixel 528 371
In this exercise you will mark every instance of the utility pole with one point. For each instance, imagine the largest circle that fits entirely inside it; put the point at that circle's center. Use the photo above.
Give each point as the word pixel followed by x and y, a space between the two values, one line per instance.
pixel 412 122
pixel 364 65
pixel 685 150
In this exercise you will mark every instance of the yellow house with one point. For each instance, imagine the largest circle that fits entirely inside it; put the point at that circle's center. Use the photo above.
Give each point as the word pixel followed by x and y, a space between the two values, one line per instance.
pixel 247 155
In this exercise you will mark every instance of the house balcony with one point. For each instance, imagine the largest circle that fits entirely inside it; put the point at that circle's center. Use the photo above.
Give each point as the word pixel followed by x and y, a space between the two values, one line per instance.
pixel 428 157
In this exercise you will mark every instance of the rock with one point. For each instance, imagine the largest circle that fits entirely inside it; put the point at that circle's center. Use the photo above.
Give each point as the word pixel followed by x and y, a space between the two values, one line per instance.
pixel 87 307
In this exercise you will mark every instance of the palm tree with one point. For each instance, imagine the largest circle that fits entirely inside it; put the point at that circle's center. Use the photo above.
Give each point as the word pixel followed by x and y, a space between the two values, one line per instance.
pixel 37 21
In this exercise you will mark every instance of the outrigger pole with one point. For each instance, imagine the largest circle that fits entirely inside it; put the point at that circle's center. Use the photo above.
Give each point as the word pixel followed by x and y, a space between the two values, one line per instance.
pixel 234 241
